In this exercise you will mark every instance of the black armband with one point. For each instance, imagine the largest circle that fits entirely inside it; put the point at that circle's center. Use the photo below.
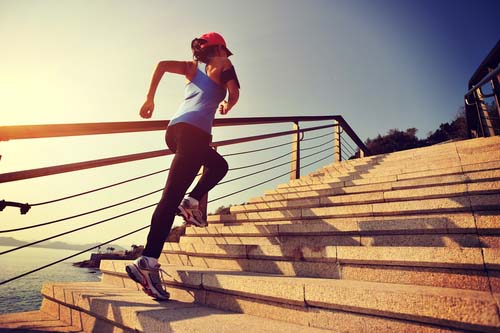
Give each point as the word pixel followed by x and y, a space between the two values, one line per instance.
pixel 228 75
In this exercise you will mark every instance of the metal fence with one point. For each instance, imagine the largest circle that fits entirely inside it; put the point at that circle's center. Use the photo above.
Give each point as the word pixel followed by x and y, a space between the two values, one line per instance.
pixel 308 146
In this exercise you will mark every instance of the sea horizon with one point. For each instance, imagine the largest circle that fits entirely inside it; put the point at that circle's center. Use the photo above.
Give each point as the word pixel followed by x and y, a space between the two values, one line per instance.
pixel 24 294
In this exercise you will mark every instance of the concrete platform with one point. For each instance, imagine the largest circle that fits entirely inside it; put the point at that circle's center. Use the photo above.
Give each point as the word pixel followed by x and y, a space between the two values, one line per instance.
pixel 448 307
pixel 34 322
pixel 104 308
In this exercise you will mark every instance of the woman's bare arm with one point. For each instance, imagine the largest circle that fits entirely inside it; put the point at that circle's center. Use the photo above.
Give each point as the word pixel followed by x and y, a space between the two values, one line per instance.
pixel 170 66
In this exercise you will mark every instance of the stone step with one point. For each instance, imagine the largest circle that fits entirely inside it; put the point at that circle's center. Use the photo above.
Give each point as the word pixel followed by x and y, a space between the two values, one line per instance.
pixel 440 257
pixel 424 160
pixel 433 266
pixel 339 188
pixel 390 168
pixel 438 239
pixel 106 308
pixel 479 229
pixel 444 267
pixel 297 299
pixel 480 222
pixel 473 146
pixel 353 179
pixel 312 199
pixel 34 321
pixel 469 203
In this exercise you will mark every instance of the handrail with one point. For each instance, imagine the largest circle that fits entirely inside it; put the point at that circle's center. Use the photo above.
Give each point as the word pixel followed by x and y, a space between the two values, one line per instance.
pixel 51 170
pixel 485 80
pixel 62 130
pixel 481 121
pixel 339 125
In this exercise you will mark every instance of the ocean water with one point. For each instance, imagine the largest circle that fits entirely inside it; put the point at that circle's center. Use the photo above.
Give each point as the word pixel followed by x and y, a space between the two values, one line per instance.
pixel 24 293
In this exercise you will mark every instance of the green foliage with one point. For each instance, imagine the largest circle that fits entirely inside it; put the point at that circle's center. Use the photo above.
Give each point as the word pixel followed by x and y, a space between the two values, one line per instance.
pixel 396 140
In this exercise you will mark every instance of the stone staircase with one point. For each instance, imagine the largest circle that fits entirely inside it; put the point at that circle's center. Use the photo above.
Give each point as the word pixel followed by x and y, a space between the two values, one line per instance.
pixel 402 242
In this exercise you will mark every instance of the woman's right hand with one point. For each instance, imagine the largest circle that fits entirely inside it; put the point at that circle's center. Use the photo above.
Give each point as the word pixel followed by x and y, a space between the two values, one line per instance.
pixel 147 109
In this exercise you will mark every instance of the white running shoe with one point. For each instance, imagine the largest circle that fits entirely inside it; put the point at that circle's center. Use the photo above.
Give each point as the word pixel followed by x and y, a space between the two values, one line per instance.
pixel 147 274
pixel 191 213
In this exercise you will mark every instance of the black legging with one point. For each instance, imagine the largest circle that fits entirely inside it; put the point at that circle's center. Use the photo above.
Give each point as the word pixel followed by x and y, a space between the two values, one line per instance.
pixel 191 147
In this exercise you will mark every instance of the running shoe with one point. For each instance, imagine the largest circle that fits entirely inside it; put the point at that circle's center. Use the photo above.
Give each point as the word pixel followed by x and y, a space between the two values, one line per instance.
pixel 147 275
pixel 192 214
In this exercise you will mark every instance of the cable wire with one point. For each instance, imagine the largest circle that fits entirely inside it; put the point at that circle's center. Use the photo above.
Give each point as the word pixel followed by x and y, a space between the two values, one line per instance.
pixel 279 157
pixel 77 229
pixel 154 173
pixel 260 163
pixel 72 256
pixel 266 181
pixel 347 142
pixel 317 137
pixel 270 168
pixel 100 188
pixel 81 214
pixel 258 150
pixel 344 147
pixel 135 231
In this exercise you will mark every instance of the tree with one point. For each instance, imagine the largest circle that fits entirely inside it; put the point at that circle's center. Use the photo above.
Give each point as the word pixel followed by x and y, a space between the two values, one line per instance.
pixel 394 140
pixel 457 129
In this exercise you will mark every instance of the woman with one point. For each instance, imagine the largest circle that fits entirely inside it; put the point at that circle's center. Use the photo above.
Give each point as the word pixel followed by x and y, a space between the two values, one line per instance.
pixel 210 77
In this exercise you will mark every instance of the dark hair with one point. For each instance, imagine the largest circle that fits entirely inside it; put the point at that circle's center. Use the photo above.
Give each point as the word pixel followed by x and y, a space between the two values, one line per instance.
pixel 202 54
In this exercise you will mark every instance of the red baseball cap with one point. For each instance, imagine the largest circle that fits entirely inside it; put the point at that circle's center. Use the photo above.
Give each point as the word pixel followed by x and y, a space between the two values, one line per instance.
pixel 214 38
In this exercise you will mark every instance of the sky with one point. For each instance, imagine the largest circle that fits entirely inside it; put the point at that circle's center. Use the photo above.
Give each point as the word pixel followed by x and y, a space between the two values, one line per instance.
pixel 381 64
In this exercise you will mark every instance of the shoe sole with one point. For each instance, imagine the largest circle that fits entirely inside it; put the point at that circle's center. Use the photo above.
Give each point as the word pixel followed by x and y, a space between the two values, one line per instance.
pixel 135 275
pixel 138 277
pixel 183 212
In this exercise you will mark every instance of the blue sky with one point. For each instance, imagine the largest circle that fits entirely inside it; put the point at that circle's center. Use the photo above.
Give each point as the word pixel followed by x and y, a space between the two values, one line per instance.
pixel 381 64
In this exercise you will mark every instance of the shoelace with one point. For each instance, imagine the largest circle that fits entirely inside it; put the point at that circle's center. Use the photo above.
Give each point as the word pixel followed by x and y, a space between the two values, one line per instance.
pixel 158 278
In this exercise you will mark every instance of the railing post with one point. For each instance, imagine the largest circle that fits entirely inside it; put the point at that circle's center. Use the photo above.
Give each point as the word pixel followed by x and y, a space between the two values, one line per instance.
pixel 487 126
pixel 495 85
pixel 295 166
pixel 337 152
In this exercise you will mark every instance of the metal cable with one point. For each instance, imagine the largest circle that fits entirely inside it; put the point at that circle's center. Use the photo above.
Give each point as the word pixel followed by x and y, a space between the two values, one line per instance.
pixel 152 174
pixel 279 157
pixel 132 232
pixel 280 145
pixel 344 147
pixel 266 181
pixel 258 150
pixel 77 229
pixel 344 151
pixel 260 163
pixel 347 143
pixel 71 256
pixel 156 191
pixel 99 189
pixel 136 210
pixel 317 137
pixel 81 214
pixel 321 144
pixel 270 168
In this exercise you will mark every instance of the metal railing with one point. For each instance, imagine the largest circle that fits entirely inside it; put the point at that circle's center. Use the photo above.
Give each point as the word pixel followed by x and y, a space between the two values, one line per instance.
pixel 343 143
pixel 483 118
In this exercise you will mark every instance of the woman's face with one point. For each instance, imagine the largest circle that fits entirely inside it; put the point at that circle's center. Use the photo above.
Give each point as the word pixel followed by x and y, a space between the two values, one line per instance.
pixel 221 51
